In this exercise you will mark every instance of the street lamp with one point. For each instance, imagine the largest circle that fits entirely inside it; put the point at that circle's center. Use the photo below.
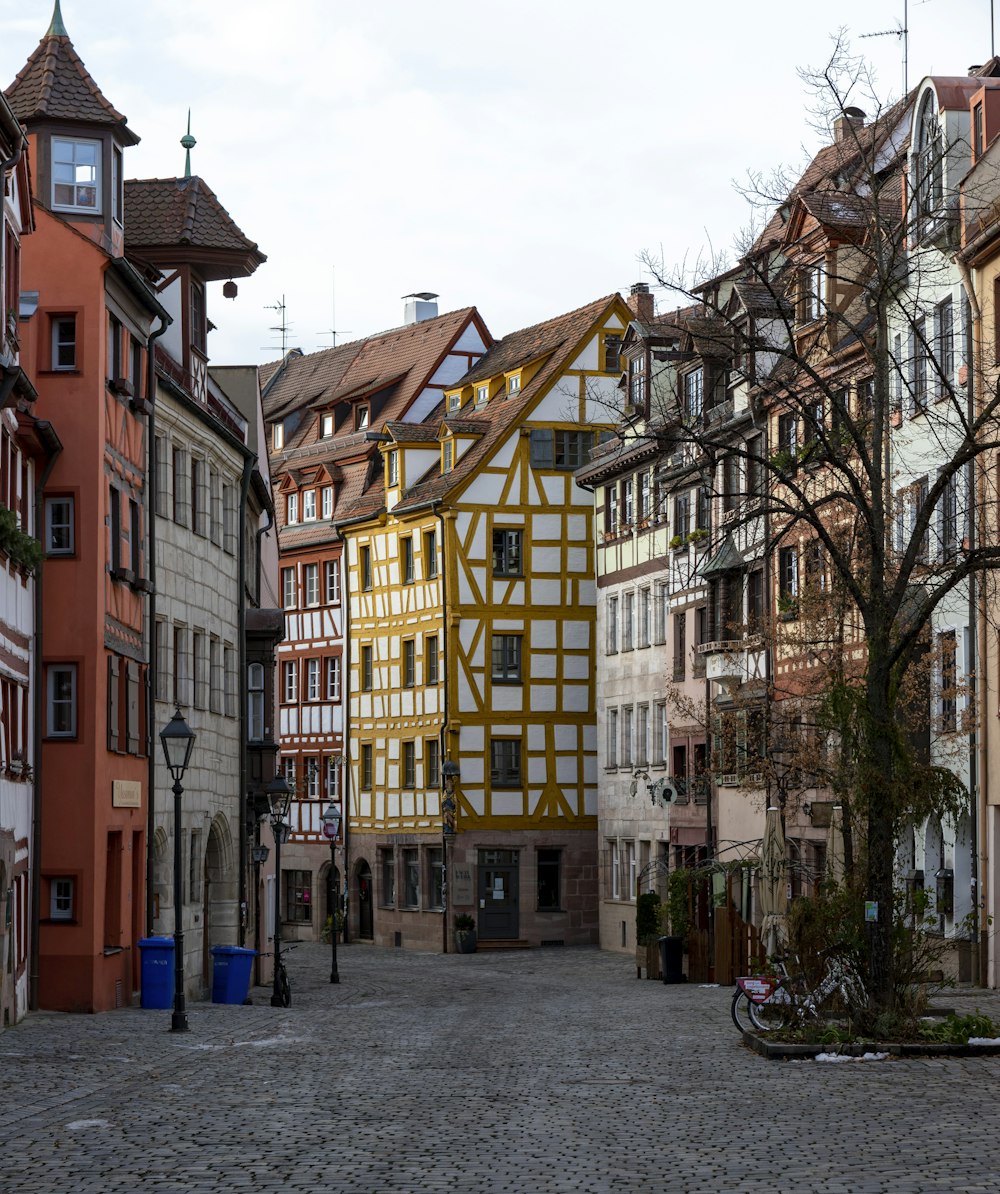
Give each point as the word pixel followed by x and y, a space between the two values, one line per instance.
pixel 178 738
pixel 279 796
pixel 331 827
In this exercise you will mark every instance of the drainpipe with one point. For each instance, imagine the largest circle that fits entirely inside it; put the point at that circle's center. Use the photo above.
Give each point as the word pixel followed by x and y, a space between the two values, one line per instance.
pixel 151 668
pixel 249 463
pixel 977 635
pixel 345 672
pixel 436 513
pixel 46 429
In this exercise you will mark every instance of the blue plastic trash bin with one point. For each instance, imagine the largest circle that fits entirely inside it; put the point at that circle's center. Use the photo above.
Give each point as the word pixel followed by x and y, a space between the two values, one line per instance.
pixel 157 971
pixel 231 973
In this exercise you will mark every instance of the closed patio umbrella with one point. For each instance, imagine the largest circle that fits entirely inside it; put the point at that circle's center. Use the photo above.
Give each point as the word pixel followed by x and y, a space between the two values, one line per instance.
pixel 835 847
pixel 773 883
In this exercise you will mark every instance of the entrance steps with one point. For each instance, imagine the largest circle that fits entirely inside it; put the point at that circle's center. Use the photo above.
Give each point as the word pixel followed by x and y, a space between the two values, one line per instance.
pixel 502 943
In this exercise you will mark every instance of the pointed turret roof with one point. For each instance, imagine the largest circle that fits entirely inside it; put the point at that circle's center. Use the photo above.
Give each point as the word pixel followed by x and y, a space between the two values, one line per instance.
pixel 55 85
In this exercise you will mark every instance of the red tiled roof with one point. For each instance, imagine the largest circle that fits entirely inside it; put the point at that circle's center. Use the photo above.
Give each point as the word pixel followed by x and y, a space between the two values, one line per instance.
pixel 171 213
pixel 55 85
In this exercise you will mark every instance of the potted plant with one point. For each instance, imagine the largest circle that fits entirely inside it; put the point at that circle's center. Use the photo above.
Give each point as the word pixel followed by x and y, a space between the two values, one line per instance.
pixel 676 541
pixel 465 933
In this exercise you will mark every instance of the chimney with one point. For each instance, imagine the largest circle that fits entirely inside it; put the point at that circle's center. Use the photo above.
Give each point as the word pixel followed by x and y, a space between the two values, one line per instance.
pixel 640 302
pixel 849 123
pixel 420 306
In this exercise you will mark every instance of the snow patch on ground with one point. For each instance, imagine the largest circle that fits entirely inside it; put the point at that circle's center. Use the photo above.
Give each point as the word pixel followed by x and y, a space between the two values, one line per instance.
pixel 84 1125
pixel 843 1057
pixel 984 1040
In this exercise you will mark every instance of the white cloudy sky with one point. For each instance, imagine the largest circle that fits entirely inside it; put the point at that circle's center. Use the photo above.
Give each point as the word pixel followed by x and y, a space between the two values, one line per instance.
pixel 515 155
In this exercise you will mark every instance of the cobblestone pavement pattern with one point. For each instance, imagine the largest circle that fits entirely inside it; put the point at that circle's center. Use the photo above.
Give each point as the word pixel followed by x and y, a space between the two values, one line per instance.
pixel 530 1072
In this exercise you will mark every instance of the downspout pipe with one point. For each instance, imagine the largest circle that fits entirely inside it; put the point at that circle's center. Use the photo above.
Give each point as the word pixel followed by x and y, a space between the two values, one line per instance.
pixel 249 464
pixel 443 574
pixel 47 432
pixel 151 667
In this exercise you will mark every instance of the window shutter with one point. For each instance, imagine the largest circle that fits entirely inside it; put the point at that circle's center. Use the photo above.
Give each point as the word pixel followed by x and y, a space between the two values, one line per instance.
pixel 113 710
pixel 132 707
pixel 542 455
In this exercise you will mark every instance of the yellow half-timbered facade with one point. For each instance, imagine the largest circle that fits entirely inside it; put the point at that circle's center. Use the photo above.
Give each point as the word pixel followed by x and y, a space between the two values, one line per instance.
pixel 472 644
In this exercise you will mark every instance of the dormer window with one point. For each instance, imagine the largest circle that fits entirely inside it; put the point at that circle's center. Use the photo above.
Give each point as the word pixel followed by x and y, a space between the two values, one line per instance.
pixel 325 426
pixel 929 158
pixel 362 415
pixel 278 436
pixel 694 394
pixel 327 493
pixel 454 402
pixel 514 384
pixel 199 325
pixel 76 175
pixel 612 353
pixel 637 381
pixel 811 292
pixel 117 187
pixel 483 395
pixel 447 456
pixel 292 509
pixel 392 467
pixel 309 505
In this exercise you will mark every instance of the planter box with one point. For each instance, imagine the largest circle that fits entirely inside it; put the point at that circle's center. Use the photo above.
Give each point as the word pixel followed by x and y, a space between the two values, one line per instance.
pixel 647 957
pixel 465 941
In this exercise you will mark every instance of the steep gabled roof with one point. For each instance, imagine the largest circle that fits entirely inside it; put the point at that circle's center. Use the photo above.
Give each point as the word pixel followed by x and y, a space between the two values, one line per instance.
pixel 169 217
pixel 55 85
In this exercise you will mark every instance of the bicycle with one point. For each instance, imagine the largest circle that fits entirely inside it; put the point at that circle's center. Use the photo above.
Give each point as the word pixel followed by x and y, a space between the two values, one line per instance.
pixel 282 984
pixel 772 1000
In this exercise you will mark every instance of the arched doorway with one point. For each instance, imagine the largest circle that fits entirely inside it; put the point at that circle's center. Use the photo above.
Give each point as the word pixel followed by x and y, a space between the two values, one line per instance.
pixel 366 921
pixel 162 898
pixel 220 914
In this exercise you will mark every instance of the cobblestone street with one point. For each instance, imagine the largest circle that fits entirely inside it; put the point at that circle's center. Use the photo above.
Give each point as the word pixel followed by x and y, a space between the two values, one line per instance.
pixel 530 1072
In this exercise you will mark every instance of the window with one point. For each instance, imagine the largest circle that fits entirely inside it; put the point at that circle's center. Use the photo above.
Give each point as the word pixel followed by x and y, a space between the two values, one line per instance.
pixel 292 509
pixel 978 132
pixel 642 738
pixel 230 663
pixel 703 509
pixel 612 608
pixel 309 505
pixel 755 466
pixel 162 648
pixel 327 501
pixel 948 648
pixel 325 426
pixel 61 700
pixel 507 658
pixel 392 467
pixel 61 898
pixel 64 342
pixel 312 778
pixel 661 609
pixel 432 764
pixel 918 366
pixel 628 621
pixel 929 154
pixel 447 455
pixel 611 510
pixel 572 448
pixel 454 402
pixel 228 519
pixel 200 498
pixel 409 663
pixel 811 293
pixel 432 665
pixel 288 596
pixel 505 762
pixel 362 415
pixel 409 764
pixel 298 896
pixel 644 617
pixel 694 394
pixel 682 516
pixel 215 506
pixel 289 682
pixel 616 878
pixel 366 767
pixel 199 321
pixel 182 666
pixel 514 384
pixel 948 520
pixel 506 552
pixel 788 578
pixel 312 680
pixel 660 733
pixel 612 351
pixel 332 778
pixel 200 670
pixel 366 669
pixel 366 568
pixel 680 645
pixel 255 702
pixel 278 436
pixel 944 347
pixel 756 612
pixel 333 678
pixel 388 868
pixel 407 545
pixel 628 726
pixel 215 675
pixel 430 555
pixel 612 738
pixel 482 395
pixel 435 869
pixel 643 508
pixel 60 526
pixel 76 175
pixel 788 439
pixel 182 494
pixel 332 582
pixel 310 578
pixel 411 877
pixel 637 382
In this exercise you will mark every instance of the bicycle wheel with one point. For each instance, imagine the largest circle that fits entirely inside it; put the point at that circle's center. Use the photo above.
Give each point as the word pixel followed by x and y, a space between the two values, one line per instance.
pixel 284 990
pixel 772 1013
pixel 741 1010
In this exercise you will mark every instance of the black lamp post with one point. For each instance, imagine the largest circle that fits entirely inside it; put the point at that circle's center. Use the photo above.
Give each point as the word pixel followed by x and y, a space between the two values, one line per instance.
pixel 178 738
pixel 450 773
pixel 331 827
pixel 280 796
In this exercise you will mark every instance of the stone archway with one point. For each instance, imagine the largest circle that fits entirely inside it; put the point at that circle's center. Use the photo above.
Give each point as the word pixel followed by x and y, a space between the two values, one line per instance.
pixel 219 895
pixel 161 879
pixel 364 894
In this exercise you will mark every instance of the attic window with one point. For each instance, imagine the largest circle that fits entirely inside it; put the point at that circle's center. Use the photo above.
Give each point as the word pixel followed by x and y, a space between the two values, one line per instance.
pixel 929 154
pixel 76 175
pixel 392 467
pixel 278 436
pixel 325 426
pixel 483 394
pixel 362 414
pixel 454 401
pixel 514 384
pixel 447 456
pixel 612 350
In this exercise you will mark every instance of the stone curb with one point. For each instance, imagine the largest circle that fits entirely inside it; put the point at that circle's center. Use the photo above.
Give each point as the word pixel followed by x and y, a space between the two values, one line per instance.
pixel 789 1051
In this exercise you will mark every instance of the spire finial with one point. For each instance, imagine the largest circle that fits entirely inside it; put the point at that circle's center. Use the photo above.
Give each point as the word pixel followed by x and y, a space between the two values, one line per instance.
pixel 188 142
pixel 56 26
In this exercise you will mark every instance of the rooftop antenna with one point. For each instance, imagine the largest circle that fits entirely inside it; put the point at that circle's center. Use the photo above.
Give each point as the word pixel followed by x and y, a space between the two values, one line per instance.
pixel 332 330
pixel 282 326
pixel 188 142
pixel 902 31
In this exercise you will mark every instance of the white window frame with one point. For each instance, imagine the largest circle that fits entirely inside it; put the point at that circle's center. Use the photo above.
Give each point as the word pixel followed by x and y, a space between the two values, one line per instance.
pixel 59 341
pixel 289 596
pixel 62 898
pixel 325 426
pixel 292 509
pixel 616 877
pixel 326 498
pixel 278 436
pixel 310 584
pixel 333 670
pixel 333 582
pixel 312 680
pixel 90 209
pixel 612 727
pixel 309 505
pixel 290 681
